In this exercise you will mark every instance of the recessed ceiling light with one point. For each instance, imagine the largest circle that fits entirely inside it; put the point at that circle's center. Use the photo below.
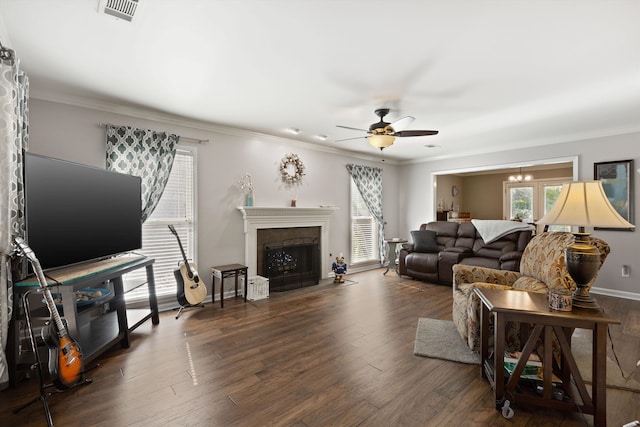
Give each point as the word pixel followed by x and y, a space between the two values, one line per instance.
pixel 322 137
pixel 294 131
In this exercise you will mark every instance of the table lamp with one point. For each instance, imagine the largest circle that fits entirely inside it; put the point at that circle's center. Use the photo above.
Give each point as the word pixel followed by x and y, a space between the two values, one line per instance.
pixel 583 204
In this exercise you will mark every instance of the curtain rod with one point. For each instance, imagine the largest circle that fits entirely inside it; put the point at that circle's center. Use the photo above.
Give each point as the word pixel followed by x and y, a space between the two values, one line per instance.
pixel 182 138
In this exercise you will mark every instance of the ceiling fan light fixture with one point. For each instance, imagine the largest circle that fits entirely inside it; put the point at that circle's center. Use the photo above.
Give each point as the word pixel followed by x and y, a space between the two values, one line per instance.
pixel 382 134
pixel 381 141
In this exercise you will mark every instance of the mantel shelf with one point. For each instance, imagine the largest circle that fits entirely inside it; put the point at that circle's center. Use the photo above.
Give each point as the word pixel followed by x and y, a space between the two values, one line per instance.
pixel 275 211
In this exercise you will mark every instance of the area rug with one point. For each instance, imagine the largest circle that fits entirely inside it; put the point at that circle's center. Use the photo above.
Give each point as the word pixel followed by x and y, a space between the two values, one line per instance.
pixel 440 339
pixel 581 344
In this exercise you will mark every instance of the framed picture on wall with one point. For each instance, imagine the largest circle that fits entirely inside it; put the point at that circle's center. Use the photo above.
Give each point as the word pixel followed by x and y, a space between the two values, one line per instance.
pixel 617 181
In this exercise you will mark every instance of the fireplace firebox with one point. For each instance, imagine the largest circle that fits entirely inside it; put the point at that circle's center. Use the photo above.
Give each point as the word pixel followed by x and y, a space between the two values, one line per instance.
pixel 291 263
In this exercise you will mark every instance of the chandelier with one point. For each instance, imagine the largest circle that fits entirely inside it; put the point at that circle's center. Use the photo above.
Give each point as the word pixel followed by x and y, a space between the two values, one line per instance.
pixel 520 177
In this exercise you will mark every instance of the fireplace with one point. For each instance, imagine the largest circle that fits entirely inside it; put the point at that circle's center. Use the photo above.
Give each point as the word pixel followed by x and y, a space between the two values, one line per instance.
pixel 291 263
pixel 259 219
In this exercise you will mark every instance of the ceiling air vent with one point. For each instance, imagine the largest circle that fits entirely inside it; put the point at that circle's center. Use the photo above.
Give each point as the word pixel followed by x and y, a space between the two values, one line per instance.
pixel 122 9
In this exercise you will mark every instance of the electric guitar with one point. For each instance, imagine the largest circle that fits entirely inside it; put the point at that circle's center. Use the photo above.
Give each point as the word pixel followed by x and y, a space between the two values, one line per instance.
pixel 191 290
pixel 65 356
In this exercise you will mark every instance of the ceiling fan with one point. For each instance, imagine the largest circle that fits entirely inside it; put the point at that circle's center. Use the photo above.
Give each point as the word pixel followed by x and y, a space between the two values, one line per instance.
pixel 382 134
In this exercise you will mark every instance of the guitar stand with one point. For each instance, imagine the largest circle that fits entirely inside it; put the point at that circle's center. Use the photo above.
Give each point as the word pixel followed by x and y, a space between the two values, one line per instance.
pixel 182 307
pixel 44 394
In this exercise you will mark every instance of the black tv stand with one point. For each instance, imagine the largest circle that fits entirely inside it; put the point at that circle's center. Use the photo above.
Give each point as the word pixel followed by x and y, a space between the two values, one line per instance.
pixel 97 327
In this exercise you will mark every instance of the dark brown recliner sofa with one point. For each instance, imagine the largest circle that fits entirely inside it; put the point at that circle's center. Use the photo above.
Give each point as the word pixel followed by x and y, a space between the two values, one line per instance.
pixel 458 244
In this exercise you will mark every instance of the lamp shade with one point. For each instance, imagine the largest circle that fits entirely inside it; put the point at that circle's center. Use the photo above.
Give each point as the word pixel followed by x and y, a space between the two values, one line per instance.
pixel 584 204
pixel 381 141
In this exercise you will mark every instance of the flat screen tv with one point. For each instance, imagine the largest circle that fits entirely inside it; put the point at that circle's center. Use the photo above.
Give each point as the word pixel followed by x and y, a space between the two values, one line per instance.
pixel 77 213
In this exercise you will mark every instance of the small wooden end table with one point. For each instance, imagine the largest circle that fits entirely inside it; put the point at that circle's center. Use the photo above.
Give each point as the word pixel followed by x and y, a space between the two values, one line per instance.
pixel 224 271
pixel 533 308
pixel 392 254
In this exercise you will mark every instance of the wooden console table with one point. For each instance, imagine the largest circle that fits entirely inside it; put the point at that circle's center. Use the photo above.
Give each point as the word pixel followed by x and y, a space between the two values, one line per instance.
pixel 529 307
pixel 96 327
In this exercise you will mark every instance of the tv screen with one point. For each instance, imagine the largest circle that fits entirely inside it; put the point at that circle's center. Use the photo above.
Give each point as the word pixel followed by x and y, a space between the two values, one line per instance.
pixel 78 213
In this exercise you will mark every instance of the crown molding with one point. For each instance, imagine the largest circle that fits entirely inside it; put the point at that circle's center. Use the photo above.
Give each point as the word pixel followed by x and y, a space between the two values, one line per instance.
pixel 140 112
pixel 519 145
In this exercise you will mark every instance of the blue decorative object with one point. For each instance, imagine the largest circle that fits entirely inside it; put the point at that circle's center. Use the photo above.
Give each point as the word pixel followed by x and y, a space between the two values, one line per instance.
pixel 339 268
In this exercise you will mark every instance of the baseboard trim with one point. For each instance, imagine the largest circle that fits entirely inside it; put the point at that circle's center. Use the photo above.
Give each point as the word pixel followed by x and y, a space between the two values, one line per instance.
pixel 617 294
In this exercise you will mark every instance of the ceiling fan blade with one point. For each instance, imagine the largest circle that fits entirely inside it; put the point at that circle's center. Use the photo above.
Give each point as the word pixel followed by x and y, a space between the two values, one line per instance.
pixel 350 139
pixel 348 127
pixel 416 133
pixel 402 123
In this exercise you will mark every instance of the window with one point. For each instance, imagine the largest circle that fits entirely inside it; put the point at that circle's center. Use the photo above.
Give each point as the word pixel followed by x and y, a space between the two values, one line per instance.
pixel 364 231
pixel 176 207
pixel 531 200
pixel 521 203
pixel 551 191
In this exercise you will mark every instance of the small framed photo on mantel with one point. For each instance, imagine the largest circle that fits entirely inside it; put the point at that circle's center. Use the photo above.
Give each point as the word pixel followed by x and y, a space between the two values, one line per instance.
pixel 617 181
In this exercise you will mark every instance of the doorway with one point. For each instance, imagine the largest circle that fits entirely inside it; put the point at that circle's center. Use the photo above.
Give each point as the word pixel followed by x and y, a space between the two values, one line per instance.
pixel 480 190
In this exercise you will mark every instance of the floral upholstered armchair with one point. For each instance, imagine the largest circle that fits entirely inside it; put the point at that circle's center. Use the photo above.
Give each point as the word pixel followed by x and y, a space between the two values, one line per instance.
pixel 542 268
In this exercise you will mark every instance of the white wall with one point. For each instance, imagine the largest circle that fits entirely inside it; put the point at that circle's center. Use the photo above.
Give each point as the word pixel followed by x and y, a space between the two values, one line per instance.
pixel 73 133
pixel 417 196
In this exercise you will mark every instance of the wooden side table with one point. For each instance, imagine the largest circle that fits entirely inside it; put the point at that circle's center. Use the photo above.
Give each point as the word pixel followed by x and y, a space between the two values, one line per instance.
pixel 392 255
pixel 529 307
pixel 222 272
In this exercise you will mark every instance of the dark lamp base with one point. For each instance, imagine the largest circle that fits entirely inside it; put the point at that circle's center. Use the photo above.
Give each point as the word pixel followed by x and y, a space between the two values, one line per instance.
pixel 583 263
pixel 584 301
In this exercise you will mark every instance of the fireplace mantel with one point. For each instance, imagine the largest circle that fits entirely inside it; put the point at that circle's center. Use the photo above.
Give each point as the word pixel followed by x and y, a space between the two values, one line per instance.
pixel 258 217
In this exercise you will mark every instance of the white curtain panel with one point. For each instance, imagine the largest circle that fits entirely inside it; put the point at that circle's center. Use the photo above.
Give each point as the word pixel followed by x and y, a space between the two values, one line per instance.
pixel 14 91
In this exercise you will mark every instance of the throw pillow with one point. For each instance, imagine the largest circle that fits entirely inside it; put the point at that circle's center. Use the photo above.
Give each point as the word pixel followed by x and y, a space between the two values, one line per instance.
pixel 424 241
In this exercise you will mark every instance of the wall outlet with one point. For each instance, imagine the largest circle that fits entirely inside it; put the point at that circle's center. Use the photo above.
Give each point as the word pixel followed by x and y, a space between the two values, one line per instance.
pixel 625 271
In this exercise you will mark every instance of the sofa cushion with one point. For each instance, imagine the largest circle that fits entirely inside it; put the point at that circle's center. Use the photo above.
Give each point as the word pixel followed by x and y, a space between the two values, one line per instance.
pixel 543 259
pixel 529 284
pixel 480 261
pixel 424 241
pixel 446 232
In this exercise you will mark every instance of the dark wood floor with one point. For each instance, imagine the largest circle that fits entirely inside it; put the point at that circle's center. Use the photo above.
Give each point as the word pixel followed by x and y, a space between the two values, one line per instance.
pixel 332 355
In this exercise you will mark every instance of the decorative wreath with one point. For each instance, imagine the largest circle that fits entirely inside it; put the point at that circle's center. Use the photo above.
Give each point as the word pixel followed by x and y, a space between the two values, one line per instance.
pixel 291 169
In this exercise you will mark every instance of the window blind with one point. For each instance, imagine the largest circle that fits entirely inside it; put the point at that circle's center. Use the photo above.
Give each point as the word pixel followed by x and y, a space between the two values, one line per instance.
pixel 176 207
pixel 364 230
